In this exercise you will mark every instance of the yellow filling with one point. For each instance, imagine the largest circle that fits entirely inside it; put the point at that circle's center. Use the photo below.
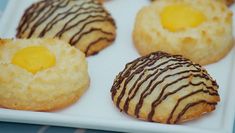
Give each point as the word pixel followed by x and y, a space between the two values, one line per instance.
pixel 181 16
pixel 34 58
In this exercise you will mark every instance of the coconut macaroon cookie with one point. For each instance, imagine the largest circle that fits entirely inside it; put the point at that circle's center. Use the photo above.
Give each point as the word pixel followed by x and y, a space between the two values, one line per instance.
pixel 85 24
pixel 41 74
pixel 164 88
pixel 200 30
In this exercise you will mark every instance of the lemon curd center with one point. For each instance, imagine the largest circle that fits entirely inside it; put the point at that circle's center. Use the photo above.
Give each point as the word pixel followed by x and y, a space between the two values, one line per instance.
pixel 180 17
pixel 34 58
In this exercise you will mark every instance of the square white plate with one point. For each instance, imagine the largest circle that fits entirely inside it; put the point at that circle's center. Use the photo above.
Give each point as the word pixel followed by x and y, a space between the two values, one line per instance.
pixel 95 109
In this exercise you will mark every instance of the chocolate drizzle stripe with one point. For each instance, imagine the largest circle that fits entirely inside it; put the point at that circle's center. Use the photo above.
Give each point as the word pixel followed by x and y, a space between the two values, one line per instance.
pixel 44 17
pixel 143 58
pixel 188 106
pixel 54 21
pixel 25 17
pixel 68 27
pixel 149 89
pixel 94 30
pixel 96 41
pixel 30 12
pixel 154 104
pixel 182 87
pixel 158 74
pixel 150 83
pixel 65 15
pixel 140 69
pixel 143 94
pixel 74 38
pixel 33 12
pixel 29 18
pixel 139 60
pixel 137 71
pixel 186 96
pixel 120 78
pixel 127 71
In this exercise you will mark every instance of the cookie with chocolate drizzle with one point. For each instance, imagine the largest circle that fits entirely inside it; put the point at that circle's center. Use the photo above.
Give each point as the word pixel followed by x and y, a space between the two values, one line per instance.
pixel 85 24
pixel 164 88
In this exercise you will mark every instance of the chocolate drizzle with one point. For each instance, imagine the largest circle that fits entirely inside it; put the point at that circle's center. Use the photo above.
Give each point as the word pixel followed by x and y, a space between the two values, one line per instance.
pixel 70 20
pixel 165 76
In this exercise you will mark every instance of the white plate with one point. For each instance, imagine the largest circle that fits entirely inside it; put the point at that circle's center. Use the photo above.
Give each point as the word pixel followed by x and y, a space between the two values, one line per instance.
pixel 95 109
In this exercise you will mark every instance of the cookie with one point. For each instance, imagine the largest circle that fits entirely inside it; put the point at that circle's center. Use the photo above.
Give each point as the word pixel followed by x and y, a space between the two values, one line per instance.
pixel 164 88
pixel 200 30
pixel 85 24
pixel 41 74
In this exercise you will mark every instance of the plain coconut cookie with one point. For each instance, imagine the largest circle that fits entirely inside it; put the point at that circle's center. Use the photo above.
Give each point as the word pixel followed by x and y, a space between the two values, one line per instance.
pixel 85 24
pixel 164 88
pixel 200 30
pixel 41 74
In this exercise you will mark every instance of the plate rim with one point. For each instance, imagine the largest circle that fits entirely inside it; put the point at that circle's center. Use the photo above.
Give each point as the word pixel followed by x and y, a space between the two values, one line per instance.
pixel 8 115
